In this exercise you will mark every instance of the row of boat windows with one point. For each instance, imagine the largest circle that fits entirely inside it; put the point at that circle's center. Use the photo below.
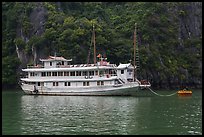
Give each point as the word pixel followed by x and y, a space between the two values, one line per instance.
pixel 84 83
pixel 66 83
pixel 72 73
pixel 59 63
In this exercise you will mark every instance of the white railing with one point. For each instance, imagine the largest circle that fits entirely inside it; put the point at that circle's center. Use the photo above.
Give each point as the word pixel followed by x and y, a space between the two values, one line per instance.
pixel 37 66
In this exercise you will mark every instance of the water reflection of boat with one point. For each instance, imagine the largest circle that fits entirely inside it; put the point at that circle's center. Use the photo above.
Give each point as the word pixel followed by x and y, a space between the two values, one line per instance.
pixel 81 114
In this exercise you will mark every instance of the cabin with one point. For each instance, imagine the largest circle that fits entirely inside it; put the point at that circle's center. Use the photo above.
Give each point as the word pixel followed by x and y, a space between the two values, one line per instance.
pixel 54 62
pixel 125 72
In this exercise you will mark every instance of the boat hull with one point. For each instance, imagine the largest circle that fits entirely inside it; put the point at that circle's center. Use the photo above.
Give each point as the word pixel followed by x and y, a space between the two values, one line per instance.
pixel 131 89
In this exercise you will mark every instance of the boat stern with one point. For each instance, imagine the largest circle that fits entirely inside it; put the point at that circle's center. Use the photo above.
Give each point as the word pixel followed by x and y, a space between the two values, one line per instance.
pixel 28 89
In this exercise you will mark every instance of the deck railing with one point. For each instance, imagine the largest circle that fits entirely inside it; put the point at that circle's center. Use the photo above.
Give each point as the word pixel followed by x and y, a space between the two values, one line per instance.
pixel 71 66
pixel 37 66
pixel 83 65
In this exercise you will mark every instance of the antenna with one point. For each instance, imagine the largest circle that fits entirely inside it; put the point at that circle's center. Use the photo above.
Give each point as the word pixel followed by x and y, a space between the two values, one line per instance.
pixel 88 57
pixel 134 53
pixel 94 42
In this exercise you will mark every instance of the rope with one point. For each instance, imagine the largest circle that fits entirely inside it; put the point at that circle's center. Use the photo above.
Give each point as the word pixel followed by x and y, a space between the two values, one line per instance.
pixel 160 94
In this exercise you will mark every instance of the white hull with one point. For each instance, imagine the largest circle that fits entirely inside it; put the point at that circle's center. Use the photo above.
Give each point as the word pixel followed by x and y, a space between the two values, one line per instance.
pixel 125 89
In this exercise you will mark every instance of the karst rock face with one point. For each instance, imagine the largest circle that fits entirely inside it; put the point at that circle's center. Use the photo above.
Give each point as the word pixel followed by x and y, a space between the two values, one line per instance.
pixel 37 18
pixel 185 19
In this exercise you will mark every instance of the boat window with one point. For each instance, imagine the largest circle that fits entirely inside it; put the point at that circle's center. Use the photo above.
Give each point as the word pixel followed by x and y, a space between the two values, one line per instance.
pixel 96 73
pixel 122 71
pixel 69 84
pixel 91 73
pixel 102 82
pixel 32 74
pixel 66 73
pixel 78 73
pixel 49 74
pixel 43 74
pixel 98 83
pixel 55 83
pixel 101 72
pixel 84 73
pixel 113 71
pixel 62 62
pixel 85 83
pixel 58 63
pixel 54 73
pixel 60 73
pixel 72 73
pixel 38 83
pixel 50 63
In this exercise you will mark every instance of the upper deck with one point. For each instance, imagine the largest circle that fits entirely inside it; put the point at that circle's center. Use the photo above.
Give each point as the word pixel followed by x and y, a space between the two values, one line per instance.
pixel 59 64
pixel 78 67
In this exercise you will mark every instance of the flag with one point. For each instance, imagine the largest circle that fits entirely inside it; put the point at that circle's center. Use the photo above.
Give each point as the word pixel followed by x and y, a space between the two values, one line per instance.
pixel 99 55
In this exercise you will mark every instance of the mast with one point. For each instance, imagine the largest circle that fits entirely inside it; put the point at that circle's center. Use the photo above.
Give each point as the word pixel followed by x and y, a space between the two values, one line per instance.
pixel 134 63
pixel 94 42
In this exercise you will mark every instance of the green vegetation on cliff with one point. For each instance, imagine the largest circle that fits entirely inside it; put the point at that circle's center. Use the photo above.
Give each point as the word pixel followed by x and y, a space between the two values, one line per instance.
pixel 169 37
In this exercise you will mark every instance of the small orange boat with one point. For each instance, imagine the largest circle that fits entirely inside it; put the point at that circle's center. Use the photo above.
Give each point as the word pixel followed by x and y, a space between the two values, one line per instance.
pixel 184 92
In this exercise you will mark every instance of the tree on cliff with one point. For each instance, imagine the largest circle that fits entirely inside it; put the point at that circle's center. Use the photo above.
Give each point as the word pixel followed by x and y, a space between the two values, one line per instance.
pixel 169 36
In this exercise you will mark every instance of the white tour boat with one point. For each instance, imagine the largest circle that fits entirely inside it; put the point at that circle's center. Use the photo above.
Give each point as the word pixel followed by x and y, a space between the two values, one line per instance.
pixel 57 76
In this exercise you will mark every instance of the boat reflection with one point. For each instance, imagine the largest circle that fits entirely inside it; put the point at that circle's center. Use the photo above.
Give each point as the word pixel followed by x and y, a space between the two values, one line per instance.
pixel 81 114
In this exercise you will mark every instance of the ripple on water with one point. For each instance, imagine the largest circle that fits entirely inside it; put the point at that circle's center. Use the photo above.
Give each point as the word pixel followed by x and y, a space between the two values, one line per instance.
pixel 194 132
pixel 104 115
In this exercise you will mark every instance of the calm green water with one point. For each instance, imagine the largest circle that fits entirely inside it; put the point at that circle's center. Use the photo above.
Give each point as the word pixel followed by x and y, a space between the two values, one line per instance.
pixel 86 115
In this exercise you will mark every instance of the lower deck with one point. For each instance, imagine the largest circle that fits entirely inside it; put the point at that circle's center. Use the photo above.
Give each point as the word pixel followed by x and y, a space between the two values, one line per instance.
pixel 117 89
pixel 68 84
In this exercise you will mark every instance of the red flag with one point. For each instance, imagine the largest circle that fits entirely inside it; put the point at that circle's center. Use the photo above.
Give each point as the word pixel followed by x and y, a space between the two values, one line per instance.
pixel 99 55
